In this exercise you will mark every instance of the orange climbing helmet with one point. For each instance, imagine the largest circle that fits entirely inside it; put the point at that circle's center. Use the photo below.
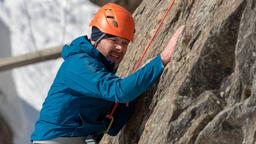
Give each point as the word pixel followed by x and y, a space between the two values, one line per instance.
pixel 114 20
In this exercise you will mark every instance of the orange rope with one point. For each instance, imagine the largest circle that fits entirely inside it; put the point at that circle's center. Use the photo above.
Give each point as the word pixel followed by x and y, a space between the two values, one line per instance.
pixel 110 116
pixel 150 42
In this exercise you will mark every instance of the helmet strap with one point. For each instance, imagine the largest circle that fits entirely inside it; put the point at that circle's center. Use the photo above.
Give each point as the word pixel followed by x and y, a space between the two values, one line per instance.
pixel 99 39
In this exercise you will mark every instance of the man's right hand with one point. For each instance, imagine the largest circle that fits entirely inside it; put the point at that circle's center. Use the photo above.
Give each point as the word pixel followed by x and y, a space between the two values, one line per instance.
pixel 168 51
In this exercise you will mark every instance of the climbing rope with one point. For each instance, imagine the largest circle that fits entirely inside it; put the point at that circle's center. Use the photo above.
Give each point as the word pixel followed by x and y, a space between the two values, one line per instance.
pixel 152 39
pixel 110 116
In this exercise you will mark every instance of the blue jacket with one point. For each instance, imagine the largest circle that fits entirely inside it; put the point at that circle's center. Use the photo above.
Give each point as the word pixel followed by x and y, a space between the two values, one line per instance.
pixel 85 90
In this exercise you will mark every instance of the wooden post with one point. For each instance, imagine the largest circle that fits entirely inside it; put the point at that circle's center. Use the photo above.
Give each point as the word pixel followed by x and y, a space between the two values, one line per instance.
pixel 30 58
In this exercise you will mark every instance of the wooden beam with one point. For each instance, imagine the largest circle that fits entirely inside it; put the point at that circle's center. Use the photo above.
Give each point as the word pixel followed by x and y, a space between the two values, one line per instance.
pixel 30 58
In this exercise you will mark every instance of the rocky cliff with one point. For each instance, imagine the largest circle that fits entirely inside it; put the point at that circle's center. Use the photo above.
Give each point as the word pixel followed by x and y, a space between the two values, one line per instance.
pixel 208 92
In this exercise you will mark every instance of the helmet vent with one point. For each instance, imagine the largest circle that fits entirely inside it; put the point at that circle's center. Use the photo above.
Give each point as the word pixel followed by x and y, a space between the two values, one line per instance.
pixel 115 24
pixel 111 17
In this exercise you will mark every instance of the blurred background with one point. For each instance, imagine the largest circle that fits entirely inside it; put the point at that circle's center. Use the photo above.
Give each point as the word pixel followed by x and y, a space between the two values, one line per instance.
pixel 29 26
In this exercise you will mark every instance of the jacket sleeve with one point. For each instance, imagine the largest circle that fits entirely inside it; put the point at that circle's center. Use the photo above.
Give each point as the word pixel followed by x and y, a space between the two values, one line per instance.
pixel 90 78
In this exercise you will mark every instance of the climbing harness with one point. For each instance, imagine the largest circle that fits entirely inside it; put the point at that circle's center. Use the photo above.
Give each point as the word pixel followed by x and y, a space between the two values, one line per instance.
pixel 110 116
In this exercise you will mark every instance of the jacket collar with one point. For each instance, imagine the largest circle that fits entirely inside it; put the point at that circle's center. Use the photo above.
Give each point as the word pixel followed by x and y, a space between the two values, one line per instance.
pixel 83 45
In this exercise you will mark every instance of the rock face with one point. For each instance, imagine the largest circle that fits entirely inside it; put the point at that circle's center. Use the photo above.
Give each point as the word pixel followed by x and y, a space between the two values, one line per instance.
pixel 208 93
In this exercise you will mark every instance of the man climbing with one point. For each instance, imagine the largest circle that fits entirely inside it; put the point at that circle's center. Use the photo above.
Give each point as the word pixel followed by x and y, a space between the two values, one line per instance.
pixel 86 88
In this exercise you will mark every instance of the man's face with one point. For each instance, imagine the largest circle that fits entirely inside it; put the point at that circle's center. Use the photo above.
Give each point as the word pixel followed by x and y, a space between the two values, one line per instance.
pixel 113 48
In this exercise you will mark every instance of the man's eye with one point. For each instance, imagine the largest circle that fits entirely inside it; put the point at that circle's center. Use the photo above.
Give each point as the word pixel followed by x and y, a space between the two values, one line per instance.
pixel 113 40
pixel 125 43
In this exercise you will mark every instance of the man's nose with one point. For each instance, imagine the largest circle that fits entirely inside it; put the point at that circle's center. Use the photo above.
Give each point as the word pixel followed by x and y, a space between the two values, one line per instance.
pixel 119 47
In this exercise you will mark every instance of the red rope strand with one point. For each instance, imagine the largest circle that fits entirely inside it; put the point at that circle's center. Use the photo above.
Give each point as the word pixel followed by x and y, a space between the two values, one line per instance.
pixel 110 116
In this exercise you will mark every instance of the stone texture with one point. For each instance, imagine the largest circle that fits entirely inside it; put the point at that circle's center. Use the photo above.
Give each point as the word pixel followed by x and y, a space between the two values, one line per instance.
pixel 208 93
